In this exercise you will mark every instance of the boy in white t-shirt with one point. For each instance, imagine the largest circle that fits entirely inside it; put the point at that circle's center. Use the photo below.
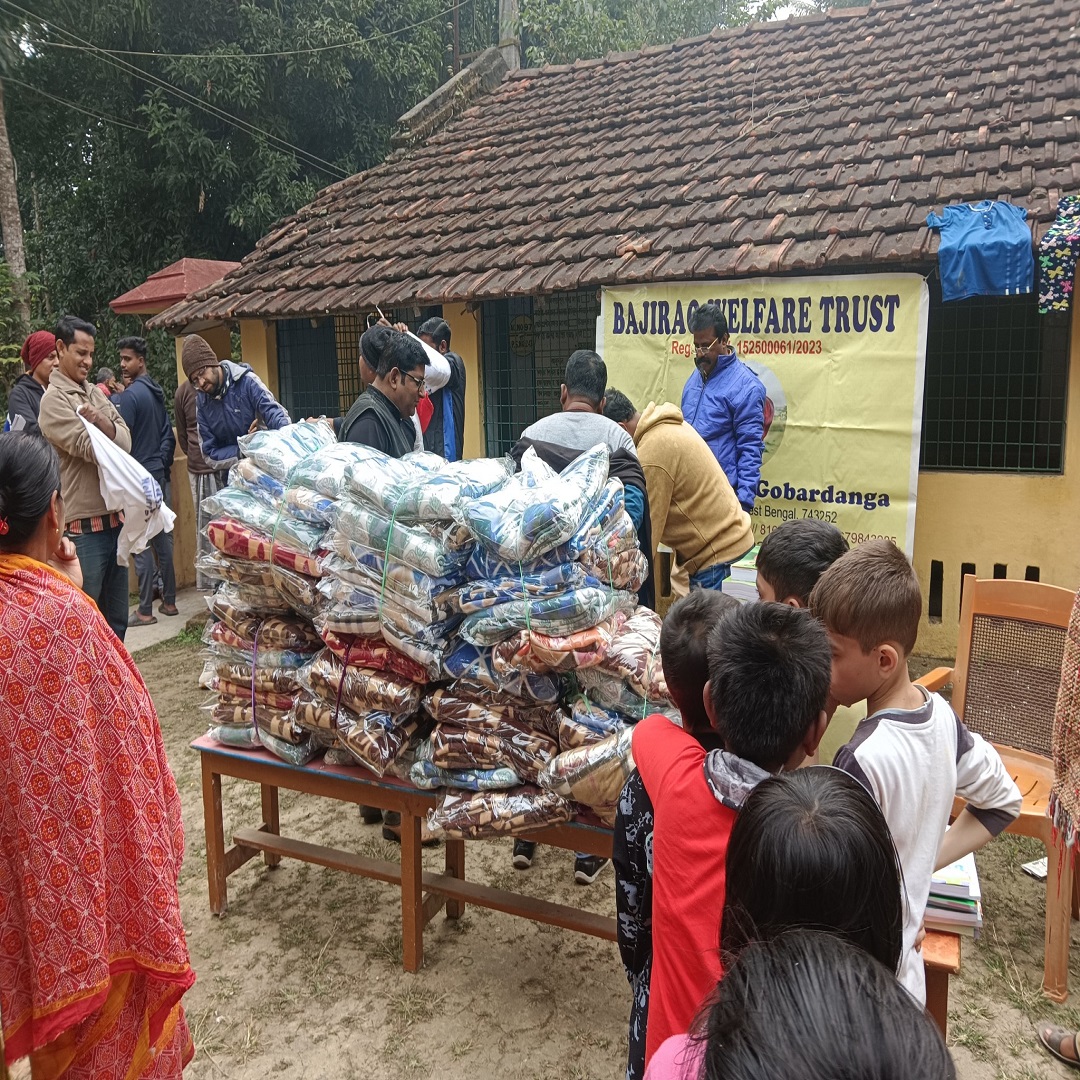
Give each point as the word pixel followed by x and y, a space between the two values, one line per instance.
pixel 911 752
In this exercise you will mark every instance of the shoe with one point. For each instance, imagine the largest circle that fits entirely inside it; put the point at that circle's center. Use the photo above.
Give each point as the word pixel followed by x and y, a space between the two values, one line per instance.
pixel 137 620
pixel 392 831
pixel 523 854
pixel 370 815
pixel 168 609
pixel 587 868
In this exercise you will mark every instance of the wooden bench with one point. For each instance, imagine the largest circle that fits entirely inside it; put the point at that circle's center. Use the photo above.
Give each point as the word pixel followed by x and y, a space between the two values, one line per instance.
pixel 423 893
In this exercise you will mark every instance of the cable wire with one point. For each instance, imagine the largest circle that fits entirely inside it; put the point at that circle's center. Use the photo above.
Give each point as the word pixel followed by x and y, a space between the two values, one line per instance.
pixel 380 35
pixel 307 157
pixel 73 105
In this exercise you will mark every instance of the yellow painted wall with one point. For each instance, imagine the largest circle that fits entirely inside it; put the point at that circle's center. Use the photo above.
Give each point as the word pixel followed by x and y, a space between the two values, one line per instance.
pixel 987 518
pixel 258 344
pixel 465 341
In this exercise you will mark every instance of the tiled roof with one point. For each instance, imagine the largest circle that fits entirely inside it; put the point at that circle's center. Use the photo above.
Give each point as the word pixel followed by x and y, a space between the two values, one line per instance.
pixel 777 147
pixel 171 284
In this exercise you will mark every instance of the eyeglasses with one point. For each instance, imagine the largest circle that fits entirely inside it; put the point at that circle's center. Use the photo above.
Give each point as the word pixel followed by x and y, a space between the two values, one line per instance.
pixel 701 350
pixel 414 379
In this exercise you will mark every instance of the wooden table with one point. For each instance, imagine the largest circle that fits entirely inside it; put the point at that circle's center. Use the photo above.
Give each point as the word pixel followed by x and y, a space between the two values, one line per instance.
pixel 423 893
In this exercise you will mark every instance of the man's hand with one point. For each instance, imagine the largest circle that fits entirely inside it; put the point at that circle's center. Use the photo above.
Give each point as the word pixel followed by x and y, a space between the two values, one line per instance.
pixel 65 559
pixel 99 420
pixel 920 937
pixel 254 426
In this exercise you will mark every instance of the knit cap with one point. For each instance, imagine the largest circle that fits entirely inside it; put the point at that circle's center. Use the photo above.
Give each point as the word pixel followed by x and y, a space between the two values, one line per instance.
pixel 197 356
pixel 36 347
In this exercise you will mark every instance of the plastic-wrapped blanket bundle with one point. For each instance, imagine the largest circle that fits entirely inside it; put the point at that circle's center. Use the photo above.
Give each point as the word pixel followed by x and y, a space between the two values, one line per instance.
pixel 587 723
pixel 634 656
pixel 279 452
pixel 497 813
pixel 467 661
pixel 592 775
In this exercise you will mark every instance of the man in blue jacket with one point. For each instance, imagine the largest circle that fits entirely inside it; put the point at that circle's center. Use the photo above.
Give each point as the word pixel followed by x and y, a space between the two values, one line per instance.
pixel 724 401
pixel 142 405
pixel 231 401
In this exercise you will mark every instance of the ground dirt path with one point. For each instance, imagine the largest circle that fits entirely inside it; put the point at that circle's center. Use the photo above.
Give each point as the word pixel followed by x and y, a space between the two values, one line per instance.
pixel 302 977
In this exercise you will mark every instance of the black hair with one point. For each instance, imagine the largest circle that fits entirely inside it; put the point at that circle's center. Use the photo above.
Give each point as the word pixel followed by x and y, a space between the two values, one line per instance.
pixel 137 345
pixel 402 352
pixel 70 325
pixel 769 668
pixel 618 407
pixel 437 329
pixel 793 556
pixel 104 375
pixel 709 317
pixel 802 853
pixel 836 1010
pixel 29 475
pixel 684 638
pixel 373 341
pixel 586 376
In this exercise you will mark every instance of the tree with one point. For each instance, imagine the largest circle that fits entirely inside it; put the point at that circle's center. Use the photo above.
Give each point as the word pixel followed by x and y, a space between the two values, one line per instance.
pixel 10 220
pixel 561 31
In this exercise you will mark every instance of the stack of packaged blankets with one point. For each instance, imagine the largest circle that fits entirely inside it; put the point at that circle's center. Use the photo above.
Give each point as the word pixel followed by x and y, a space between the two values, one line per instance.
pixel 456 624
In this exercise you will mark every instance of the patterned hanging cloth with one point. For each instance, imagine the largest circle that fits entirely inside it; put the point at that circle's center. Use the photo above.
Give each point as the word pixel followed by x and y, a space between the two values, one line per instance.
pixel 1064 806
pixel 1058 251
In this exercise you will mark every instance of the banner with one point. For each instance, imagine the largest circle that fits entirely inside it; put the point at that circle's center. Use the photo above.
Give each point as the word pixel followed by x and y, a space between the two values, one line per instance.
pixel 842 361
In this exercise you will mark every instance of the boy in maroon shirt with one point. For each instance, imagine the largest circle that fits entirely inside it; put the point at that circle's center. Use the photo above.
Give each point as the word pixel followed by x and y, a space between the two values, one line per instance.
pixel 769 669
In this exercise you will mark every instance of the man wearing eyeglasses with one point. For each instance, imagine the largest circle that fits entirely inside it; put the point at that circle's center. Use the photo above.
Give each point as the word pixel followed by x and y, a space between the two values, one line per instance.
pixel 230 401
pixel 382 415
pixel 724 401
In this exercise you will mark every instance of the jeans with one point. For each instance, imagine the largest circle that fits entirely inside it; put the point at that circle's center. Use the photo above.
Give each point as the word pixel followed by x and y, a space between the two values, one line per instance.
pixel 712 577
pixel 161 546
pixel 104 580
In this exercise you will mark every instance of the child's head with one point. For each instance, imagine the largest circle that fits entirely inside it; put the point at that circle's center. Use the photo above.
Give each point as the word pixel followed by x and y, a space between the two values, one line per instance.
pixel 870 602
pixel 820 833
pixel 768 682
pixel 794 556
pixel 813 1006
pixel 684 638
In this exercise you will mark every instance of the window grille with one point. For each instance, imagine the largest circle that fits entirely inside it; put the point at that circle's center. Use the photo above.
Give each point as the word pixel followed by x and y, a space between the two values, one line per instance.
pixel 996 383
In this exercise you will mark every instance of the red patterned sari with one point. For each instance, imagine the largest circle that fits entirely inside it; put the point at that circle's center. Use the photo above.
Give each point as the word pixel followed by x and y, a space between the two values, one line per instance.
pixel 93 960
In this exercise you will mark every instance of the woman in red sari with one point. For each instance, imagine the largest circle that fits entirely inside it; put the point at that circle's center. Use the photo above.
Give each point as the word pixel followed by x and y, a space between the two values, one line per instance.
pixel 93 960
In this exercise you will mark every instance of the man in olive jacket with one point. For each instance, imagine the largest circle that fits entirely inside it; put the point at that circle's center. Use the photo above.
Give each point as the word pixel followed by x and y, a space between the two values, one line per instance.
pixel 92 526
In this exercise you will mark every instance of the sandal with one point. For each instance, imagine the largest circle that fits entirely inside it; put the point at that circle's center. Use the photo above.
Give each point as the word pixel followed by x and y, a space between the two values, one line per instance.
pixel 1052 1036
pixel 137 620
pixel 168 609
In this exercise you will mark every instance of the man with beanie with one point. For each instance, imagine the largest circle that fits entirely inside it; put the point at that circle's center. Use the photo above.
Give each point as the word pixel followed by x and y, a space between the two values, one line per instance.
pixel 203 478
pixel 39 356
pixel 231 401
pixel 94 528
pixel 142 405
pixel 692 504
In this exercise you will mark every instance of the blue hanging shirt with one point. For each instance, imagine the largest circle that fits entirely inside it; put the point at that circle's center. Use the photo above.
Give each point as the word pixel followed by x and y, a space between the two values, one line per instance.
pixel 985 250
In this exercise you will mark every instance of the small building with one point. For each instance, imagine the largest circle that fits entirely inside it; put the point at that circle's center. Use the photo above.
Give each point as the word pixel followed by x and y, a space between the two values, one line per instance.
pixel 814 145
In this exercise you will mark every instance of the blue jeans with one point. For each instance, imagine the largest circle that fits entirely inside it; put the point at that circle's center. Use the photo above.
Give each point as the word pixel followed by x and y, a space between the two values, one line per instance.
pixel 104 580
pixel 145 569
pixel 712 577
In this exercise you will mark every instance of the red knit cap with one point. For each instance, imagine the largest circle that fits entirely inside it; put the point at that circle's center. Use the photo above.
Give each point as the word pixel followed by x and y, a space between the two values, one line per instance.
pixel 36 347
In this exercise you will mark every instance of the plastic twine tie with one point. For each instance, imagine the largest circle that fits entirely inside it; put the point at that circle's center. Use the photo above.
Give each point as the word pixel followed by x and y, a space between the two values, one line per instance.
pixel 525 600
pixel 341 681
pixel 648 680
pixel 254 668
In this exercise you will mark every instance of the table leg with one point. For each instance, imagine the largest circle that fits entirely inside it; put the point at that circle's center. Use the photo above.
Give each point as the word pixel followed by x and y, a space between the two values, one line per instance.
pixel 412 894
pixel 215 837
pixel 455 868
pixel 270 820
pixel 937 999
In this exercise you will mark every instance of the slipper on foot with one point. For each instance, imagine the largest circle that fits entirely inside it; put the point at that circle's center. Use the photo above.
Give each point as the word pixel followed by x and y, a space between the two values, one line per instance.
pixel 137 620
pixel 1052 1036
pixel 168 609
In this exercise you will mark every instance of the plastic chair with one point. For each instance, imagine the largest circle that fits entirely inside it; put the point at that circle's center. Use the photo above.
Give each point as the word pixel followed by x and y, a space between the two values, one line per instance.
pixel 1005 685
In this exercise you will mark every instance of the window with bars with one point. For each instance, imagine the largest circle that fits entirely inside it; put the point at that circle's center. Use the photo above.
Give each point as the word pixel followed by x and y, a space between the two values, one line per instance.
pixel 996 382
pixel 526 342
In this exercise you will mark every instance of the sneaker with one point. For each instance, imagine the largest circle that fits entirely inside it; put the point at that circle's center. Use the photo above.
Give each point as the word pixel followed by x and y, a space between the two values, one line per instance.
pixel 523 854
pixel 587 868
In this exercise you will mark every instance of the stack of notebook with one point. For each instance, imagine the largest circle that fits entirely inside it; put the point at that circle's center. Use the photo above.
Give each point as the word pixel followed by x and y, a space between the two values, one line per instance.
pixel 955 900
pixel 742 584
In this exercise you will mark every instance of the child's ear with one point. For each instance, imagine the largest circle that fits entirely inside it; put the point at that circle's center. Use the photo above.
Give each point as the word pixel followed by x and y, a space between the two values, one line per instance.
pixel 710 708
pixel 888 659
pixel 815 733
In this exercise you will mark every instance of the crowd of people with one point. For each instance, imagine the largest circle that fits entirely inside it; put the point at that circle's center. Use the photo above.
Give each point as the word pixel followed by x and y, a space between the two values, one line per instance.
pixel 769 915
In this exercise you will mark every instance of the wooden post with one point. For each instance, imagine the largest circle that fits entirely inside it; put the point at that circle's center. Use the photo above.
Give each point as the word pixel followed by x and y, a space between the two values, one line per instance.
pixel 215 837
pixel 1059 894
pixel 412 893
pixel 270 820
